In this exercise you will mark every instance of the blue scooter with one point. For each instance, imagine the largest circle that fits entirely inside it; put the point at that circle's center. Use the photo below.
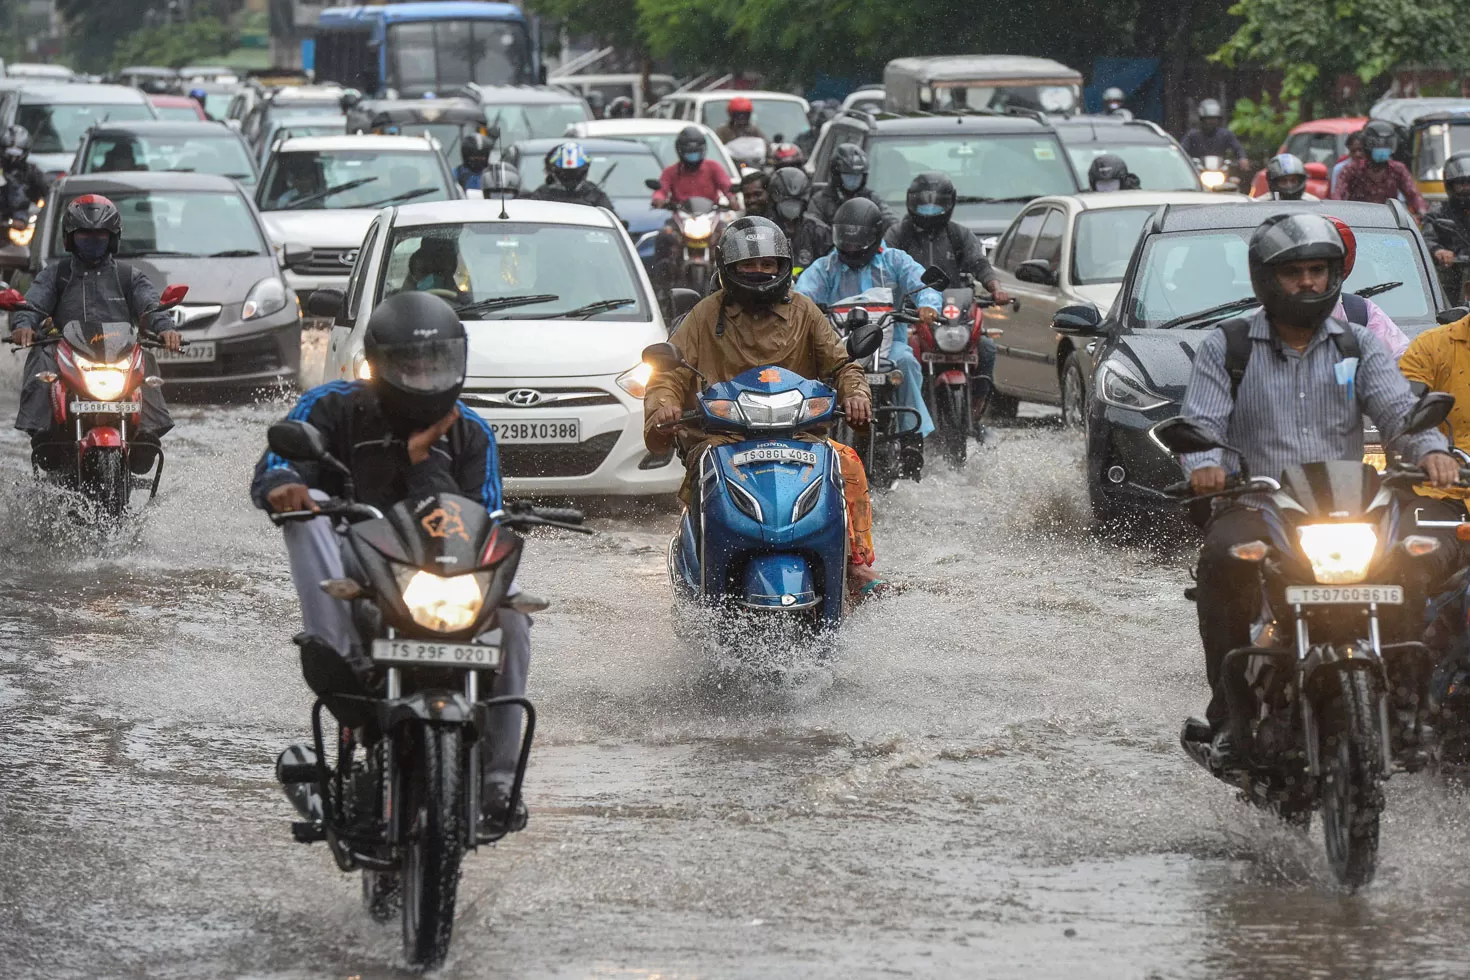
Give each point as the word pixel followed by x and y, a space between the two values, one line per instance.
pixel 766 535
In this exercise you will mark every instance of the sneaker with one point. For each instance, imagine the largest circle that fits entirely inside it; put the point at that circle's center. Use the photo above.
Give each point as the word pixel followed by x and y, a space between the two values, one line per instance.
pixel 1223 756
pixel 1196 729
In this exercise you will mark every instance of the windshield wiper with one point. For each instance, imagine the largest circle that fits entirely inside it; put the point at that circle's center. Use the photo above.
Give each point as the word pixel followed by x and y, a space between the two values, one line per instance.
pixel 506 302
pixel 1214 312
pixel 233 253
pixel 601 306
pixel 1019 199
pixel 1369 291
pixel 319 195
pixel 405 196
pixel 603 181
pixel 152 251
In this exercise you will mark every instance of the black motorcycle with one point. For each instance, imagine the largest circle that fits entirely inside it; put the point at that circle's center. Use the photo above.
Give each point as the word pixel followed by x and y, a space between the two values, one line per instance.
pixel 400 798
pixel 1322 711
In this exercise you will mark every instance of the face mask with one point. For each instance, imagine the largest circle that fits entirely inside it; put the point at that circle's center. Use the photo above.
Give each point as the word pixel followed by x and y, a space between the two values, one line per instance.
pixel 1109 185
pixel 853 260
pixel 790 210
pixel 426 283
pixel 929 210
pixel 851 182
pixel 1381 154
pixel 91 250
pixel 693 157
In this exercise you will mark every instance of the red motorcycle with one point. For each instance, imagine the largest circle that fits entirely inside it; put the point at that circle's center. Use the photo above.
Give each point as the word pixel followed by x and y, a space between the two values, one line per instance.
pixel 954 387
pixel 97 388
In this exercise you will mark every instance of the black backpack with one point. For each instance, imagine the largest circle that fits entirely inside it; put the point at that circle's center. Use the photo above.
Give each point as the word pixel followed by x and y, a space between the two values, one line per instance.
pixel 1238 340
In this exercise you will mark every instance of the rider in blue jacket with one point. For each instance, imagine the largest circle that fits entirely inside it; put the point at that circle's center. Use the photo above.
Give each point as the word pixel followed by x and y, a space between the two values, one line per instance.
pixel 859 263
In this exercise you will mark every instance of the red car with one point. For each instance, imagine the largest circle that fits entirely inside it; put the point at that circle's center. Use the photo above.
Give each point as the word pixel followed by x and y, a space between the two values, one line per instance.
pixel 1321 142
pixel 179 108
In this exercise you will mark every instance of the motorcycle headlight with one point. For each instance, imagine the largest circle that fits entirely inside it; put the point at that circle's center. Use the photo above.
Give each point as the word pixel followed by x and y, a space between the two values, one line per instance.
pixel 1212 179
pixel 22 236
pixel 952 337
pixel 1339 553
pixel 1119 385
pixel 445 605
pixel 771 411
pixel 105 382
pixel 265 297
pixel 698 226
pixel 635 380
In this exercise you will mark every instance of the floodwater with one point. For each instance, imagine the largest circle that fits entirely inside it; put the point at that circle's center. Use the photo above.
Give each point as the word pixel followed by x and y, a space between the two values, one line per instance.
pixel 984 782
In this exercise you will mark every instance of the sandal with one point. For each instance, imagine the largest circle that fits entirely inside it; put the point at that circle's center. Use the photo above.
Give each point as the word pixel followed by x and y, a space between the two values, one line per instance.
pixel 879 589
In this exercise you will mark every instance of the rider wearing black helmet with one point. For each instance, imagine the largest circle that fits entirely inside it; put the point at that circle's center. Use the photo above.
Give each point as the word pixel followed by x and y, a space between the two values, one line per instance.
pixel 1244 390
pixel 1212 138
pixel 789 192
pixel 404 435
pixel 847 178
pixel 24 183
pixel 620 108
pixel 1109 172
pixel 1286 179
pixel 693 175
pixel 1447 228
pixel 474 151
pixel 89 285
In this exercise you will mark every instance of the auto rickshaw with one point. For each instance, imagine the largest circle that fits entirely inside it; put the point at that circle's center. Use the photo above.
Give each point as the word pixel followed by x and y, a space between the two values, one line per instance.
pixel 1431 130
pixel 979 82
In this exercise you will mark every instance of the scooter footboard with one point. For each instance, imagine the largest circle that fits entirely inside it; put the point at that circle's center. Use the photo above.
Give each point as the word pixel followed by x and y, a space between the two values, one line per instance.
pixel 779 582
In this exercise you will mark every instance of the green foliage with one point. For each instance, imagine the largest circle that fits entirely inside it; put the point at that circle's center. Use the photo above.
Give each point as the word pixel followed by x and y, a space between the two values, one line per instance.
pixel 175 45
pixel 1262 126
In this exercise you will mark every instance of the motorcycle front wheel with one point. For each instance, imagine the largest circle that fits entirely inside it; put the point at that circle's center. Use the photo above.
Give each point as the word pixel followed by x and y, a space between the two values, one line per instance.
pixel 952 422
pixel 106 480
pixel 1352 794
pixel 434 846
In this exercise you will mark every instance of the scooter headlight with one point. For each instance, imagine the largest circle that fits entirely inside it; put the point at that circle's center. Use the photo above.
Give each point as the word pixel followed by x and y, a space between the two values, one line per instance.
pixel 771 411
pixel 1339 553
pixel 445 605
pixel 105 382
pixel 952 337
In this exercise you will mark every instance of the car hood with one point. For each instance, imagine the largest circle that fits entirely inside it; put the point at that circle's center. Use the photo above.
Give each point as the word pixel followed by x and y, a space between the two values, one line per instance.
pixel 326 228
pixel 557 348
pixel 639 216
pixel 221 281
pixel 1165 357
pixel 1101 295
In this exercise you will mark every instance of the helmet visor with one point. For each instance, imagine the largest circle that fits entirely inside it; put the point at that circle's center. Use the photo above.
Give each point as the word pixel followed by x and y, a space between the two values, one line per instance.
pixel 755 241
pixel 430 368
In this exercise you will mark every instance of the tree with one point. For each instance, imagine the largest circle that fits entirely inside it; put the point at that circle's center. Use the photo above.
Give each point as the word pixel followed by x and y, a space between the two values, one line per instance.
pixel 175 45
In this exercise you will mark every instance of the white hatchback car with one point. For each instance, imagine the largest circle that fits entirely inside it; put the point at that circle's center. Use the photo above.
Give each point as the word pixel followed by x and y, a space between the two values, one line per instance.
pixel 558 309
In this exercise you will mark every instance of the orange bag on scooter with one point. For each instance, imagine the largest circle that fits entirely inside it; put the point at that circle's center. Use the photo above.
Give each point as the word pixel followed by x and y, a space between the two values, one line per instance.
pixel 859 506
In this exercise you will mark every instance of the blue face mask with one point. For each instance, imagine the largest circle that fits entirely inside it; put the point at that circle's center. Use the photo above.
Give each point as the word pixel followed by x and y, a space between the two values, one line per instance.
pixel 692 158
pixel 91 250
pixel 929 210
pixel 851 182
pixel 1381 154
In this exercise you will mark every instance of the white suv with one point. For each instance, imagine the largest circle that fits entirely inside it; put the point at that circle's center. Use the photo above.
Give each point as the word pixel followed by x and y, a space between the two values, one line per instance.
pixel 558 309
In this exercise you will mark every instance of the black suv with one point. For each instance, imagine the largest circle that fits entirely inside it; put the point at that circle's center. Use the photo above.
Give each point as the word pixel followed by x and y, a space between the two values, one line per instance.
pixel 998 161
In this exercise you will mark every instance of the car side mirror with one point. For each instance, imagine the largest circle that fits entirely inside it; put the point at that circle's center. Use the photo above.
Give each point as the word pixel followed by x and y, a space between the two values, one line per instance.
pixel 299 442
pixel 1077 321
pixel 172 296
pixel 11 299
pixel 1316 171
pixel 1452 315
pixel 1429 412
pixel 663 357
pixel 863 340
pixel 1179 435
pixel 295 254
pixel 325 303
pixel 1037 272
pixel 652 183
pixel 935 277
pixel 683 300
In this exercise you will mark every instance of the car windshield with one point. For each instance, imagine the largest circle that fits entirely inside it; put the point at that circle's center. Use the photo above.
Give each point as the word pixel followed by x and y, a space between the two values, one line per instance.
pixel 989 95
pixel 183 223
pixel 623 174
pixel 177 113
pixel 477 263
pixel 541 120
pixel 775 117
pixel 60 126
pixel 1439 142
pixel 1104 243
pixel 217 152
pixel 217 104
pixel 447 135
pixel 1004 170
pixel 1160 167
pixel 1187 272
pixel 440 54
pixel 316 179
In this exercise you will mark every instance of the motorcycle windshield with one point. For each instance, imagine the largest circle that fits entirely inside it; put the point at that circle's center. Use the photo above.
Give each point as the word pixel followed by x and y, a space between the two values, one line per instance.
pixel 699 205
pixel 101 342
pixel 878 296
pixel 1339 490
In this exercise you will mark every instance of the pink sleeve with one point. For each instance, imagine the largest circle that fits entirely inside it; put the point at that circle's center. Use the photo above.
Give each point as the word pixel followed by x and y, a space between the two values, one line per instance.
pixel 1383 327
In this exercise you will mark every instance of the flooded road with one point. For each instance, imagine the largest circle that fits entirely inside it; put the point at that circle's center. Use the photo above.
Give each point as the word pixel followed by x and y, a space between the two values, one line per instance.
pixel 986 781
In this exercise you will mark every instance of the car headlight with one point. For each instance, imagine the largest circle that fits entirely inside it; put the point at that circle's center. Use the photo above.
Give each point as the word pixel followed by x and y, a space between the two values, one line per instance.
pixel 635 380
pixel 105 381
pixel 445 605
pixel 1339 553
pixel 952 337
pixel 771 411
pixel 1120 386
pixel 1211 179
pixel 265 297
pixel 361 369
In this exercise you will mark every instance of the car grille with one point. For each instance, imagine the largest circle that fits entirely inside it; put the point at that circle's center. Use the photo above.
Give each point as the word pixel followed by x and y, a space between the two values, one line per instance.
pixel 553 460
pixel 325 262
pixel 546 397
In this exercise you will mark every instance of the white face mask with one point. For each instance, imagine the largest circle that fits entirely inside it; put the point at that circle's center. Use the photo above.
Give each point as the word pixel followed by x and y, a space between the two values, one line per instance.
pixel 1109 185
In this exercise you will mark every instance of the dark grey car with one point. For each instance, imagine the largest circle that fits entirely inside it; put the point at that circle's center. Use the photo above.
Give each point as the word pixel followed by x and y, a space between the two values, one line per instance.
pixel 241 319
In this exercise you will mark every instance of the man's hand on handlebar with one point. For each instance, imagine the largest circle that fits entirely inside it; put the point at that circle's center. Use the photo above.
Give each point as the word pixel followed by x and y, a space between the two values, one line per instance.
pixel 666 415
pixel 23 336
pixel 927 315
pixel 172 339
pixel 289 497
pixel 1441 468
pixel 1207 479
pixel 999 295
pixel 858 409
pixel 1444 257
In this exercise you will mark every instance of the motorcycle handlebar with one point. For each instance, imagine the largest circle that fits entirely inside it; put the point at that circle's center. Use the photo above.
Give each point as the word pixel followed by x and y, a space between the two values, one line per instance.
pixel 693 415
pixel 348 510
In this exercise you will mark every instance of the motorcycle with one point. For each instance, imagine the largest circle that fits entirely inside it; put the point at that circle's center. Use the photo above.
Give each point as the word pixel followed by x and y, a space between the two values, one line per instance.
pixel 98 387
pixel 1218 174
pixel 954 388
pixel 1312 696
pixel 405 810
pixel 767 535
pixel 700 222
pixel 20 231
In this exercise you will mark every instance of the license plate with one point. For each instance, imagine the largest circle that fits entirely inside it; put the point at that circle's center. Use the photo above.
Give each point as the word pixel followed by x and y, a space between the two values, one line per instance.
pixel 1336 595
pixel 198 351
pixel 774 454
pixel 540 430
pixel 105 408
pixel 930 356
pixel 877 379
pixel 446 654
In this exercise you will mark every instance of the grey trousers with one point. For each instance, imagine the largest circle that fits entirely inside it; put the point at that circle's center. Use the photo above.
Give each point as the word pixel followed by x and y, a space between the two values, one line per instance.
pixel 315 552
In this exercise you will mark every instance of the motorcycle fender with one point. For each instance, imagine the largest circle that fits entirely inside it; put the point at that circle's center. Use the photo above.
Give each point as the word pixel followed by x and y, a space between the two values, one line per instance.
pixel 437 707
pixel 58 402
pixel 779 582
pixel 1324 661
pixel 103 436
pixel 952 377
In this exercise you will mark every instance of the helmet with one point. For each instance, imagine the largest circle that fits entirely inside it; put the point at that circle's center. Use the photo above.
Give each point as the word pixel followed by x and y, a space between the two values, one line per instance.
pixel 1284 238
pixel 1457 179
pixel 1112 96
pixel 569 165
pixel 1349 244
pixel 753 237
pixel 849 168
pixel 1287 176
pixel 500 177
pixel 786 155
pixel 857 232
pixel 739 105
pixel 1210 109
pixel 931 200
pixel 198 94
pixel 418 349
pixel 690 145
pixel 789 190
pixel 91 212
pixel 1380 139
pixel 596 101
pixel 17 145
pixel 1107 173
pixel 475 147
pixel 620 108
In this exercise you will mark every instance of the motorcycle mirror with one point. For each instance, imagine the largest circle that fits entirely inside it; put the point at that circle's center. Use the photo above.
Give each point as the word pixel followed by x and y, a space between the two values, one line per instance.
pixel 1078 320
pixel 652 183
pixel 1432 408
pixel 663 357
pixel 173 295
pixel 935 277
pixel 324 303
pixel 856 317
pixel 1179 435
pixel 1445 317
pixel 299 442
pixel 863 340
pixel 11 299
pixel 683 300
